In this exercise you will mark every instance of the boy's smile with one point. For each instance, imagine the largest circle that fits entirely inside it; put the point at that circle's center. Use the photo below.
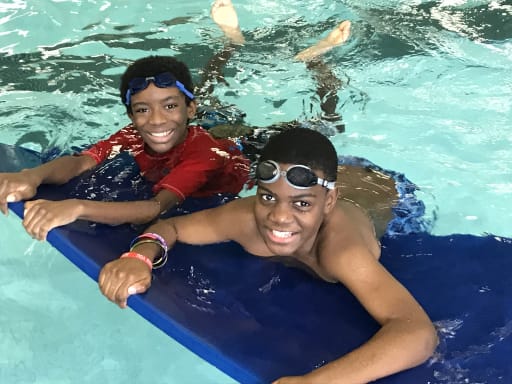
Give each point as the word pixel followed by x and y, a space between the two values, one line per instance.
pixel 161 117
pixel 281 237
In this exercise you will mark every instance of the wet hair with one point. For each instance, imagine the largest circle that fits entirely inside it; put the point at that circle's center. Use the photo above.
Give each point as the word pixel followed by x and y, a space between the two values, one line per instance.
pixel 303 146
pixel 154 65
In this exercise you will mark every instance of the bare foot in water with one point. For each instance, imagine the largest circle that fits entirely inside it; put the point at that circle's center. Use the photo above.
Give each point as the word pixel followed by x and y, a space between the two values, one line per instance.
pixel 224 15
pixel 336 37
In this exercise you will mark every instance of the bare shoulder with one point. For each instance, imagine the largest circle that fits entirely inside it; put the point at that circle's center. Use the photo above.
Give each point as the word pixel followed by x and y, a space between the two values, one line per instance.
pixel 347 236
pixel 357 226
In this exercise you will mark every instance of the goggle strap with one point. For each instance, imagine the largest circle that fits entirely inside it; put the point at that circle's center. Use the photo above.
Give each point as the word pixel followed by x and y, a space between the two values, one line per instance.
pixel 327 184
pixel 182 88
pixel 178 83
pixel 128 97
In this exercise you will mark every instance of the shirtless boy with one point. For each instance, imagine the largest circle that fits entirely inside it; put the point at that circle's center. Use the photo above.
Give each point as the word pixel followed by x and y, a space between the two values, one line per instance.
pixel 297 215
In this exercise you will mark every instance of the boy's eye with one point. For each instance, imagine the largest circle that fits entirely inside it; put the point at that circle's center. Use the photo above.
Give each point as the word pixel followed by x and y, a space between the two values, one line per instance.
pixel 266 197
pixel 141 110
pixel 171 106
pixel 302 204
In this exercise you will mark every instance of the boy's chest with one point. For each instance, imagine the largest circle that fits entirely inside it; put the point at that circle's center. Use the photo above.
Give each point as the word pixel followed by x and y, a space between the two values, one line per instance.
pixel 155 168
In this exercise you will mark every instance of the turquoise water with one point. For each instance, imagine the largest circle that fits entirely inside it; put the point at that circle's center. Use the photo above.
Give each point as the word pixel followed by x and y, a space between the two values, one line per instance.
pixel 428 94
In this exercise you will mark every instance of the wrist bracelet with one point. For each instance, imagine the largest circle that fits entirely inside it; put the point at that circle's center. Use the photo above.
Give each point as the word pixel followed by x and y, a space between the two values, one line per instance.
pixel 149 241
pixel 160 262
pixel 138 256
pixel 153 236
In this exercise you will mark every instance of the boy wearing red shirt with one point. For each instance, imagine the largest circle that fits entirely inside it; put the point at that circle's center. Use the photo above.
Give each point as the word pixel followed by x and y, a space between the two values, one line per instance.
pixel 181 160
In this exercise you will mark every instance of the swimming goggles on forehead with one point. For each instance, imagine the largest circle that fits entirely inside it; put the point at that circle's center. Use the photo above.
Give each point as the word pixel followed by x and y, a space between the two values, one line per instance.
pixel 163 80
pixel 298 176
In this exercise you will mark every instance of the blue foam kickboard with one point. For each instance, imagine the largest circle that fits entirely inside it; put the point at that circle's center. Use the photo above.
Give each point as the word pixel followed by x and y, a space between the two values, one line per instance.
pixel 257 320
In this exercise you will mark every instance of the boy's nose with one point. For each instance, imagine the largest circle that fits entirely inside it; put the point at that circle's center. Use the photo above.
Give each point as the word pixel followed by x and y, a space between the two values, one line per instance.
pixel 157 117
pixel 281 214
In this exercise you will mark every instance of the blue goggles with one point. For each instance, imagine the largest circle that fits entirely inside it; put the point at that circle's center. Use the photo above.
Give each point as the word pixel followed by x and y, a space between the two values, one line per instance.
pixel 298 176
pixel 163 80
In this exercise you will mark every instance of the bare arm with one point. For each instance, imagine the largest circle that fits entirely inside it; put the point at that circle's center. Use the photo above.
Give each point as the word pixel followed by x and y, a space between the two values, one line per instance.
pixel 62 169
pixel 23 185
pixel 406 337
pixel 41 216
pixel 123 277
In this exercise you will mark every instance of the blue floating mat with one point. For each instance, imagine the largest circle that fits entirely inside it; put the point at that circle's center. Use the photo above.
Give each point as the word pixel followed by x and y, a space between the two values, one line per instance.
pixel 257 320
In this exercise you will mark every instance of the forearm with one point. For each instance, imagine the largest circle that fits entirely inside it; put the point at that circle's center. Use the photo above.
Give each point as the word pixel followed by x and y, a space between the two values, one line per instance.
pixel 114 213
pixel 207 226
pixel 399 345
pixel 61 170
pixel 167 229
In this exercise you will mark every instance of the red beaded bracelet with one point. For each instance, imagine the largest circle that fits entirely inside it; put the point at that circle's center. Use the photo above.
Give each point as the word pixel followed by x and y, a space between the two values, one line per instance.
pixel 138 256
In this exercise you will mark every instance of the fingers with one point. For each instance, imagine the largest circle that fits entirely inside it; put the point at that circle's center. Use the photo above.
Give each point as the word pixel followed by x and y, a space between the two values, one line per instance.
pixel 6 197
pixel 137 288
pixel 125 290
pixel 12 197
pixel 36 221
pixel 41 216
pixel 15 187
pixel 4 208
pixel 122 278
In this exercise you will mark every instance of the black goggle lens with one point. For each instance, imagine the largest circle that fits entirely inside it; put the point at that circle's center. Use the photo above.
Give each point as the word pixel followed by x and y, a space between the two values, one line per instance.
pixel 301 177
pixel 266 171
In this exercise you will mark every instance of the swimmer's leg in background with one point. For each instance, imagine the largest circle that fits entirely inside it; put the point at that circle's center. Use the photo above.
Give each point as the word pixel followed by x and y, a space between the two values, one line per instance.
pixel 225 124
pixel 328 83
pixel 335 38
pixel 213 74
pixel 224 15
pixel 327 89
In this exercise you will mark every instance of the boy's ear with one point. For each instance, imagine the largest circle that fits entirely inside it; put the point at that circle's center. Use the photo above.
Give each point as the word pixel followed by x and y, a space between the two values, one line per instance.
pixel 191 109
pixel 330 200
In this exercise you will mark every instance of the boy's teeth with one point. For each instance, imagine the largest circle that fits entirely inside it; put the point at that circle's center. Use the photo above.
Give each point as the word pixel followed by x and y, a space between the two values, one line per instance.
pixel 281 234
pixel 160 134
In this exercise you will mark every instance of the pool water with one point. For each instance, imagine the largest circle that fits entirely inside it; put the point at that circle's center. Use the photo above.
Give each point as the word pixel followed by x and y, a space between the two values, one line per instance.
pixel 427 92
